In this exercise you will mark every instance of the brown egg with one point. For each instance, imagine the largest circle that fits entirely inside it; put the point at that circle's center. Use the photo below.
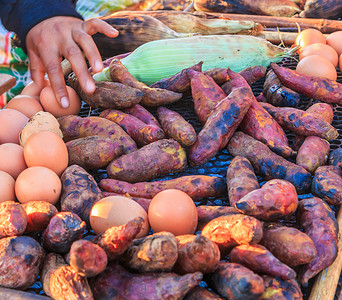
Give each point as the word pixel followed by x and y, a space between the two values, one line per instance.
pixel 340 62
pixel 50 104
pixel 45 148
pixel 12 159
pixel 173 211
pixel 28 105
pixel 309 36
pixel 32 89
pixel 315 65
pixel 335 40
pixel 114 211
pixel 38 184
pixel 11 123
pixel 6 187
pixel 322 50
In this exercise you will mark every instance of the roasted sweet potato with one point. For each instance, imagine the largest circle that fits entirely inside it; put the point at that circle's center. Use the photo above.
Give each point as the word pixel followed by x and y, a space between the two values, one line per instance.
pixel 288 244
pixel 276 199
pixel 319 88
pixel 241 179
pixel 319 223
pixel 277 94
pixel 142 114
pixel 108 94
pixel 79 191
pixel 301 122
pixel 327 184
pixel 179 82
pixel 117 283
pixel 236 282
pixel 201 293
pixel 205 92
pixel 140 132
pixel 219 75
pixel 260 260
pixel 39 214
pixel 268 164
pixel 335 157
pixel 151 96
pixel 87 258
pixel 176 127
pixel 278 289
pixel 196 253
pixel 231 230
pixel 206 213
pixel 141 165
pixel 196 186
pixel 20 260
pixel 13 219
pixel 76 127
pixel 220 126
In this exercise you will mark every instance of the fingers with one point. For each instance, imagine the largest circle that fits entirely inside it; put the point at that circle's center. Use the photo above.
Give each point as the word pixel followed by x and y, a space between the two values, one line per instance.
pixel 93 26
pixel 36 69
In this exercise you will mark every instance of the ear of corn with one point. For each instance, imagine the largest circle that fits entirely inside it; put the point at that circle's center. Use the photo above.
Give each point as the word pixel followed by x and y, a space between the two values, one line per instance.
pixel 159 59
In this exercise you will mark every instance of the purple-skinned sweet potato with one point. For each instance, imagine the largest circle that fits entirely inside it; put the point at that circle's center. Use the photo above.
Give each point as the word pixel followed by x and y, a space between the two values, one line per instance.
pixel 260 260
pixel 278 289
pixel 335 157
pixel 320 224
pixel 241 179
pixel 142 114
pixel 107 61
pixel 220 126
pixel 201 293
pixel 176 127
pixel 267 163
pixel 13 219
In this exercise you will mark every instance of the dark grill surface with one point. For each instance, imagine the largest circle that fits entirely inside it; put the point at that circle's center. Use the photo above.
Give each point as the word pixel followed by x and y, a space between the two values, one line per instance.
pixel 218 165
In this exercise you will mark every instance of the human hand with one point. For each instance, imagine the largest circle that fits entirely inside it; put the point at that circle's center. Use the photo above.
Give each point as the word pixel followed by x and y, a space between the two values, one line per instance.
pixel 61 36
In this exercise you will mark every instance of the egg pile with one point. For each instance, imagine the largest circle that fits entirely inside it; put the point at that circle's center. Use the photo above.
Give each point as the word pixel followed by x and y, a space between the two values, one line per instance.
pixel 319 55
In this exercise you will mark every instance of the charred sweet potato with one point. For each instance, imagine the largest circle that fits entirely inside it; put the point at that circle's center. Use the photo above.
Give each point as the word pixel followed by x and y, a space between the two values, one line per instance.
pixel 196 186
pixel 176 127
pixel 327 184
pixel 196 253
pixel 258 259
pixel 319 223
pixel 220 126
pixel 219 75
pixel 231 230
pixel 201 293
pixel 234 281
pixel 278 289
pixel 151 161
pixel 335 157
pixel 276 199
pixel 268 164
pixel 241 179
pixel 13 219
pixel 79 191
pixel 142 114
pixel 288 244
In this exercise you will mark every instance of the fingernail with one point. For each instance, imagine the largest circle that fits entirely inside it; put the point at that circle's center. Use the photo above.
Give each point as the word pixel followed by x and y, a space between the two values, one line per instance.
pixel 65 102
pixel 90 86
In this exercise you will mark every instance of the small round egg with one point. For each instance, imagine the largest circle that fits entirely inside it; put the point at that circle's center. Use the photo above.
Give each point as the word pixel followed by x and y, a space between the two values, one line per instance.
pixel 32 88
pixel 38 184
pixel 11 123
pixel 28 105
pixel 12 159
pixel 322 50
pixel 309 36
pixel 340 62
pixel 335 40
pixel 173 211
pixel 45 148
pixel 50 104
pixel 115 211
pixel 6 187
pixel 315 65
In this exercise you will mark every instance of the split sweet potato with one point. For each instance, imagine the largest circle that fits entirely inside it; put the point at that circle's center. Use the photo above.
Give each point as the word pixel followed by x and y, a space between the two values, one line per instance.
pixel 196 253
pixel 142 114
pixel 288 244
pixel 236 282
pixel 196 186
pixel 201 293
pixel 205 92
pixel 268 164
pixel 319 223
pixel 258 259
pixel 140 132
pixel 151 161
pixel 319 88
pixel 278 289
pixel 241 179
pixel 13 219
pixel 108 94
pixel 276 199
pixel 231 230
pixel 206 213
pixel 327 184
pixel 220 126
pixel 335 157
pixel 151 96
